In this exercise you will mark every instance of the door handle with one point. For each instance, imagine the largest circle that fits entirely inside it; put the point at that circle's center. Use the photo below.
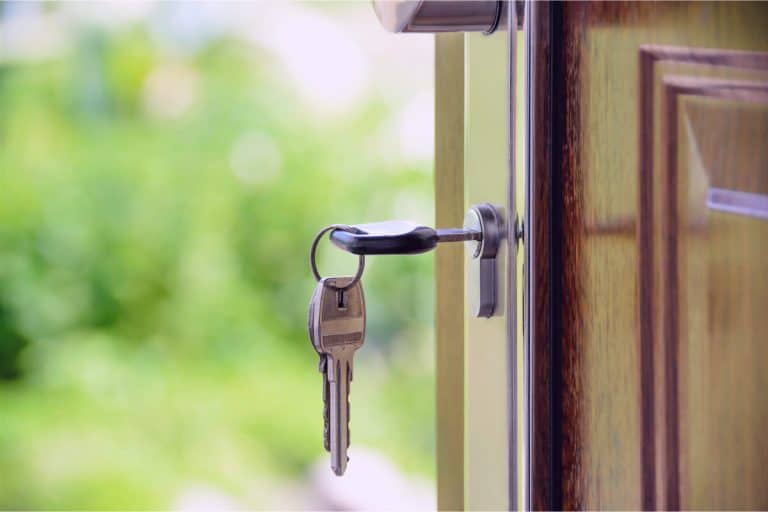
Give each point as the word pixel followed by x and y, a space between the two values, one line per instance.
pixel 444 15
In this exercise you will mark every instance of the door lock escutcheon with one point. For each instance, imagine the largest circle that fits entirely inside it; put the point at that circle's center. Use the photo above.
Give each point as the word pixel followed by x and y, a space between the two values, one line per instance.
pixel 483 232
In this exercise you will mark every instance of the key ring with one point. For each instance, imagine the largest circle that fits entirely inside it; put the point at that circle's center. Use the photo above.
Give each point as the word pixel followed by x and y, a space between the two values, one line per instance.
pixel 313 251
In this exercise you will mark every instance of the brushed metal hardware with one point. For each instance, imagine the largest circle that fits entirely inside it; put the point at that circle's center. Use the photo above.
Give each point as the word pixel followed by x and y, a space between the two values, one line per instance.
pixel 482 277
pixel 432 16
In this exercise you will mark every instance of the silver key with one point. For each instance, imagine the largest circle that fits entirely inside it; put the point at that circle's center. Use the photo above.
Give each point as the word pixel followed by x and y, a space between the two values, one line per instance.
pixel 339 330
pixel 321 366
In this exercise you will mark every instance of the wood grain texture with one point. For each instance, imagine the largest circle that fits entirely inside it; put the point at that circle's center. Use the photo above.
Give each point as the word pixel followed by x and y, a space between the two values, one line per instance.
pixel 659 371
pixel 542 479
pixel 617 419
pixel 449 269
pixel 715 411
pixel 576 399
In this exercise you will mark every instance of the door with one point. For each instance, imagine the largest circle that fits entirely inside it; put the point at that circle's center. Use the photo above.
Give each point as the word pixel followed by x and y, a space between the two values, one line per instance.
pixel 638 380
pixel 648 275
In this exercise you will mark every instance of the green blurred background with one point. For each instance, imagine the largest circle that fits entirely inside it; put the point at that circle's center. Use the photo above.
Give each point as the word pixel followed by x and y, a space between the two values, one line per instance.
pixel 163 170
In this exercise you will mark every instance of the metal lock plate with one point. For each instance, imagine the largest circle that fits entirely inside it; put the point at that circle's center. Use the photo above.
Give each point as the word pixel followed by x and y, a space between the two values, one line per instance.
pixel 482 269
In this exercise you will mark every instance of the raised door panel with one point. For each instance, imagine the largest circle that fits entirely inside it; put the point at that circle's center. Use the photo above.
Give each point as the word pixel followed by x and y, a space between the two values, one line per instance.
pixel 715 290
pixel 703 129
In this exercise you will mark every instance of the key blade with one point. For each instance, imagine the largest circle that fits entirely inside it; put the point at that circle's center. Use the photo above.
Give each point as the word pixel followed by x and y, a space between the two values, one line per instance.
pixel 326 404
pixel 338 376
pixel 323 367
pixel 340 331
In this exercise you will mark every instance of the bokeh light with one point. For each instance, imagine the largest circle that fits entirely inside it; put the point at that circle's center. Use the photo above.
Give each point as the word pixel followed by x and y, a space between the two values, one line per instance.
pixel 163 170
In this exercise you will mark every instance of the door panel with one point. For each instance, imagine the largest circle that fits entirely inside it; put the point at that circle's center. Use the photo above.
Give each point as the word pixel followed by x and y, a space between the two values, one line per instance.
pixel 671 77
pixel 717 302
pixel 647 254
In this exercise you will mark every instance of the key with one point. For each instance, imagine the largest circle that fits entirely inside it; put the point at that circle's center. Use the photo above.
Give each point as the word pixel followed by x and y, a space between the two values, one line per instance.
pixel 397 237
pixel 339 330
pixel 321 366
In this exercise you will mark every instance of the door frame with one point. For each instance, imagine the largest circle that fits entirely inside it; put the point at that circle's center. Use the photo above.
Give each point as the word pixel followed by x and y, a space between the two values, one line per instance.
pixel 479 361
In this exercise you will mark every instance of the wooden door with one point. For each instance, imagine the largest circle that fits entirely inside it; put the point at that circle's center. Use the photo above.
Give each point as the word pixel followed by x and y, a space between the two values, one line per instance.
pixel 647 252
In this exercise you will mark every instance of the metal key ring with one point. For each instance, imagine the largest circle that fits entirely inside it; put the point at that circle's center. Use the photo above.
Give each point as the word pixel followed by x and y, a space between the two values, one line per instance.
pixel 313 251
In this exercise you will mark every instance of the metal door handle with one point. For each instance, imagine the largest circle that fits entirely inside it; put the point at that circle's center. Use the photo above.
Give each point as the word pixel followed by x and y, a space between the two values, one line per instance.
pixel 444 15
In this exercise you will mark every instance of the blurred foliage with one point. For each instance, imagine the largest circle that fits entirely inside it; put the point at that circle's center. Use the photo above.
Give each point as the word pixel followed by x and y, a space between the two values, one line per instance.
pixel 153 302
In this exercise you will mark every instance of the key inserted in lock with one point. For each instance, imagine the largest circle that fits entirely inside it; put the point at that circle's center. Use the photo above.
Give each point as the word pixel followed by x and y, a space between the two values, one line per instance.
pixel 396 237
pixel 483 231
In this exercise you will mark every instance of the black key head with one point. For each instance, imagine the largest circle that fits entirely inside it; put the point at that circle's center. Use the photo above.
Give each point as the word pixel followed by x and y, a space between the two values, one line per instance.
pixel 391 237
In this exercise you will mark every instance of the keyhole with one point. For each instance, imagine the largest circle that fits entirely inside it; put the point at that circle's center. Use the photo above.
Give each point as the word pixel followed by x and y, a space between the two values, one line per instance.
pixel 341 295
